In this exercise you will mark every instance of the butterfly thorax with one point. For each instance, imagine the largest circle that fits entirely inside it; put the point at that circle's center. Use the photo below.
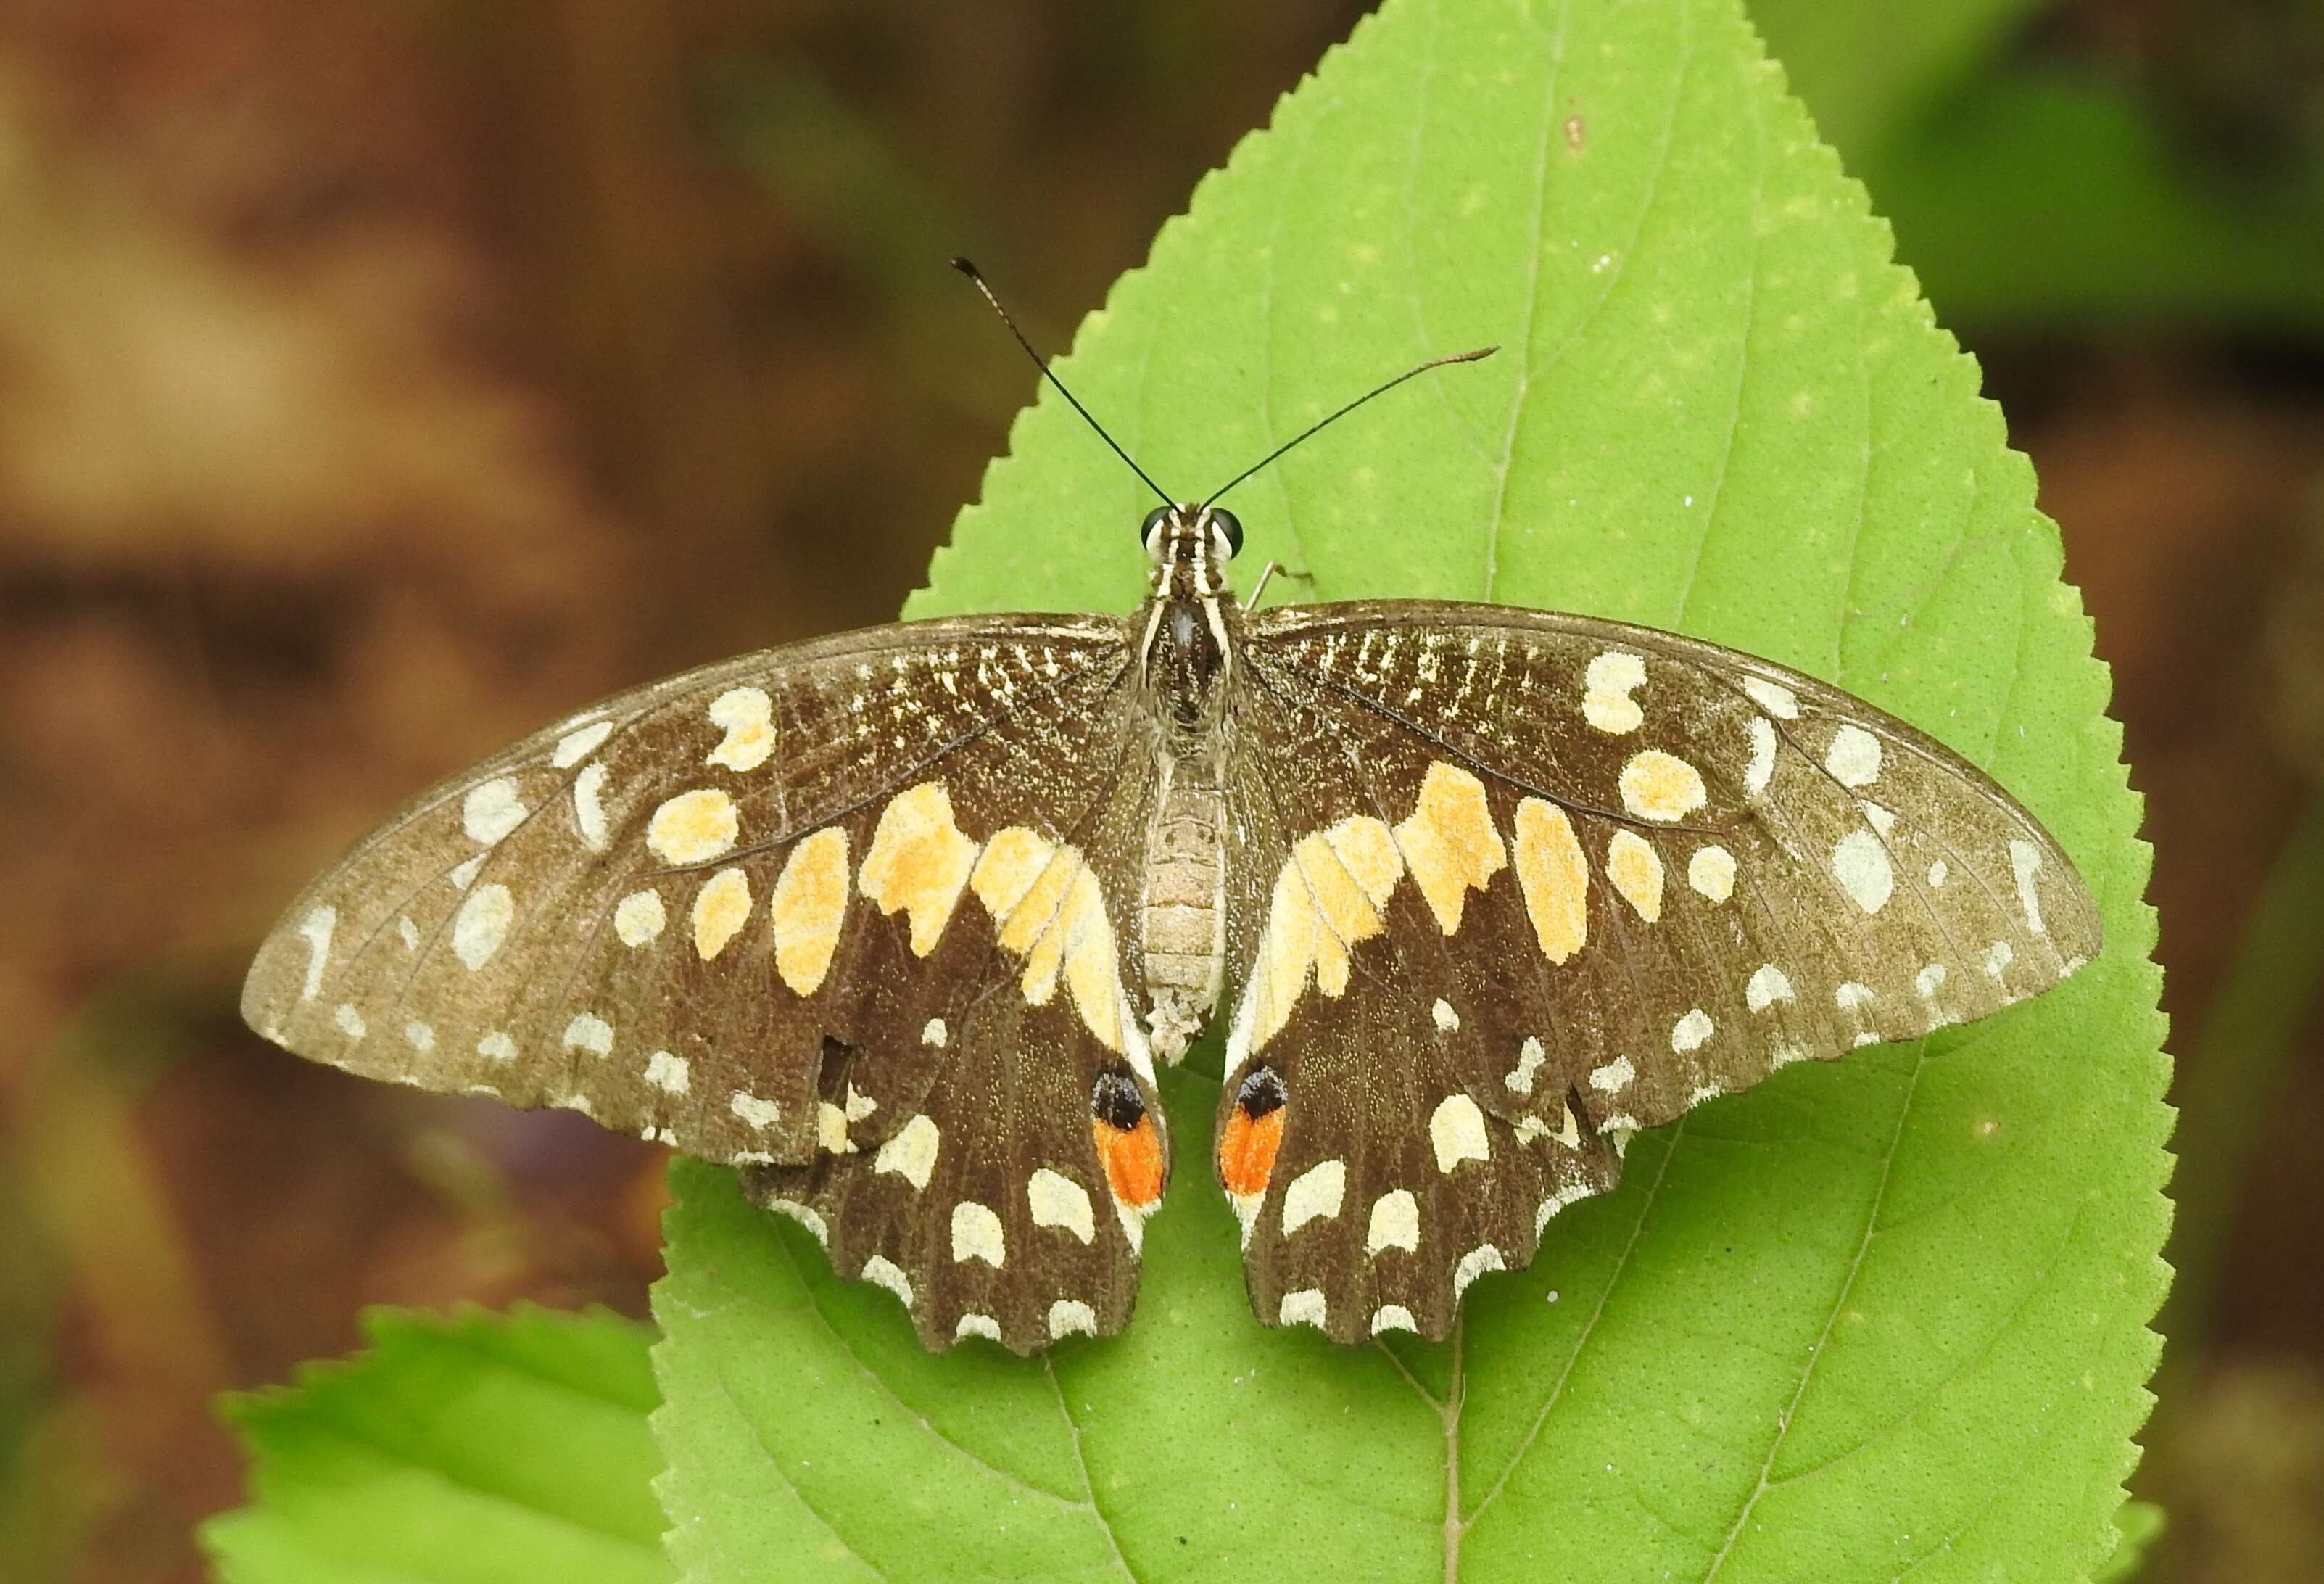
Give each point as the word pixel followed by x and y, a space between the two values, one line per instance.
pixel 1191 628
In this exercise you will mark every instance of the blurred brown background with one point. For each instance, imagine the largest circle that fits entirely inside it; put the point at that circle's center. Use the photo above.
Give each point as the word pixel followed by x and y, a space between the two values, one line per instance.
pixel 379 380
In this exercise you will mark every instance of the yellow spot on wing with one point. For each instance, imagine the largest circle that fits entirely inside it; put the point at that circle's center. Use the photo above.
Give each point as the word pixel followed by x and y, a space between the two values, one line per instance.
pixel 1554 877
pixel 1015 861
pixel 746 713
pixel 919 862
pixel 1450 843
pixel 1662 786
pixel 809 904
pixel 1047 907
pixel 1637 871
pixel 694 826
pixel 720 908
pixel 1327 897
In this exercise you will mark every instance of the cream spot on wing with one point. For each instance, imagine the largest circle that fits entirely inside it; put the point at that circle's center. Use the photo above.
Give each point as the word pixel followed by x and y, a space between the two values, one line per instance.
pixel 911 1152
pixel 1554 877
pixel 1930 979
pixel 1395 1222
pixel 408 932
pixel 1616 1075
pixel 807 907
pixel 589 807
pixel 1314 1195
pixel 418 1035
pixel 1449 842
pixel 1660 786
pixel 1303 1308
pixel 1456 1130
pixel 1474 1264
pixel 1855 757
pixel 882 1271
pixel 588 1031
pixel 2024 862
pixel 464 875
pixel 1069 1317
pixel 933 1033
pixel 1636 870
pixel 1938 873
pixel 692 828
pixel 859 1106
pixel 1447 1020
pixel 720 909
pixel 638 917
pixel 976 1234
pixel 919 862
pixel 577 745
pixel 1711 872
pixel 1393 1317
pixel 746 714
pixel 1769 985
pixel 316 928
pixel 496 1046
pixel 1776 698
pixel 1056 1199
pixel 805 1216
pixel 1860 863
pixel 1760 768
pixel 1606 686
pixel 668 1073
pixel 1530 1057
pixel 1998 957
pixel 1852 997
pixel 831 1130
pixel 579 1103
pixel 977 1325
pixel 1691 1033
pixel 1882 818
pixel 482 925
pixel 1786 1055
pixel 760 1114
pixel 492 810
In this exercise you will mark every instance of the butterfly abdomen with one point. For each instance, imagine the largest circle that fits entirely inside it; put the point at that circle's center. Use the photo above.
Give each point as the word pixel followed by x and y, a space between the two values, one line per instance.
pixel 1182 916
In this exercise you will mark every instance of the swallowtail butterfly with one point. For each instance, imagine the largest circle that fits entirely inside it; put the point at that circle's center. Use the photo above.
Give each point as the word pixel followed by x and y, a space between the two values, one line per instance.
pixel 901 923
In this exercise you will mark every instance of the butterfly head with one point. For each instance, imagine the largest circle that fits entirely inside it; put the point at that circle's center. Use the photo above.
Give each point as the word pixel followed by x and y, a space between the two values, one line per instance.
pixel 1188 547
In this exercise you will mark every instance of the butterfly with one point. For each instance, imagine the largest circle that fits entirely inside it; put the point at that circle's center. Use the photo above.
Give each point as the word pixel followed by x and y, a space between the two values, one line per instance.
pixel 902 923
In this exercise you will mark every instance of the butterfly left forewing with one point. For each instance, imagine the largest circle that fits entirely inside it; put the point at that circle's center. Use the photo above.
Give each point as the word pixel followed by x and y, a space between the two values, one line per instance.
pixel 1580 876
pixel 659 911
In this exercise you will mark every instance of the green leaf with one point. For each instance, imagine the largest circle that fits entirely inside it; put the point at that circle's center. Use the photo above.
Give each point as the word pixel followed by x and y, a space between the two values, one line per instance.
pixel 464 1451
pixel 1880 1316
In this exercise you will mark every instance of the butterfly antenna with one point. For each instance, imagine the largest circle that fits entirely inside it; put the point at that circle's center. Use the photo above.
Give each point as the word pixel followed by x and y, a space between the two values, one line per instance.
pixel 971 271
pixel 1380 390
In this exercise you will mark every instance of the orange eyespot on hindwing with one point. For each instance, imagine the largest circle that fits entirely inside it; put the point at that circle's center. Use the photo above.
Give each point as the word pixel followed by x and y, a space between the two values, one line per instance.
pixel 1253 1134
pixel 1128 1145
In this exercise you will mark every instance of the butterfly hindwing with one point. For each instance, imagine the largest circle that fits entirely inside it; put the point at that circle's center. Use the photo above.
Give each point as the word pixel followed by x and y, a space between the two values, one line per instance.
pixel 1003 1206
pixel 1545 880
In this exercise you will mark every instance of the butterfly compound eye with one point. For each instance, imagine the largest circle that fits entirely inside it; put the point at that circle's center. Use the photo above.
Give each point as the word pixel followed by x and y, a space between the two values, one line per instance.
pixel 1149 533
pixel 1229 527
